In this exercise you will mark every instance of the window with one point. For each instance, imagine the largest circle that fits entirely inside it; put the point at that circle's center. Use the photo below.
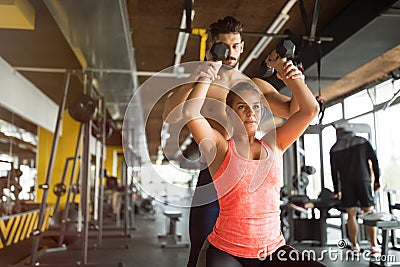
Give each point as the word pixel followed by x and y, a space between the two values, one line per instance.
pixel 388 144
pixel 312 158
pixel 27 181
pixel 9 129
pixel 333 113
pixel 167 181
pixel 368 120
pixel 383 92
pixel 328 140
pixel 357 104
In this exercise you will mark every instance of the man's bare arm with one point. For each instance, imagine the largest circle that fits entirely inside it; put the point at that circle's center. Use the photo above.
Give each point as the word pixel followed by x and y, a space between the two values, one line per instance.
pixel 173 105
pixel 281 105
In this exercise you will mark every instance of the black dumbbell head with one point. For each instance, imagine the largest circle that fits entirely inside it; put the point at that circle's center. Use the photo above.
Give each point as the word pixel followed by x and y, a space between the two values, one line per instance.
pixel 82 108
pixel 286 48
pixel 219 51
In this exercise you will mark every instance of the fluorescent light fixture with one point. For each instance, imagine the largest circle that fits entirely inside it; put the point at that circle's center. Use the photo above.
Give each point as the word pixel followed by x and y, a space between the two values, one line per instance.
pixel 183 37
pixel 276 26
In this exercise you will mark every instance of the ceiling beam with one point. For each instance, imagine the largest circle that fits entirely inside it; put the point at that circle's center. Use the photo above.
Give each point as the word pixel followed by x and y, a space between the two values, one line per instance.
pixel 17 14
pixel 367 74
pixel 358 14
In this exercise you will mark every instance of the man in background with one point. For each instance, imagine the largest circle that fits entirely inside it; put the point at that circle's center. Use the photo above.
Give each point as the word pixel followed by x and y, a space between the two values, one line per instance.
pixel 351 159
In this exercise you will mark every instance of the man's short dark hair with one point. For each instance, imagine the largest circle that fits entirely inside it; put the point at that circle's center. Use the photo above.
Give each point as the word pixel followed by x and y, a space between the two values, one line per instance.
pixel 226 25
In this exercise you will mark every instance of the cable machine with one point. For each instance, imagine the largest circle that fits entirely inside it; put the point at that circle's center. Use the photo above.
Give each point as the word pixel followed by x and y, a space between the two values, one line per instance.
pixel 82 111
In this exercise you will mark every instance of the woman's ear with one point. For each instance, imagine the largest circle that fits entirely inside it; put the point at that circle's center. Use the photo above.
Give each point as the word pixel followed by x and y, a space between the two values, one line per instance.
pixel 262 117
pixel 229 124
pixel 228 111
pixel 263 113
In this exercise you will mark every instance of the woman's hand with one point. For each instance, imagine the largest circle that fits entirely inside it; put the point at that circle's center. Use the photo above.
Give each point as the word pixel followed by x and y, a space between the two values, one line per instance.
pixel 290 72
pixel 206 71
pixel 285 68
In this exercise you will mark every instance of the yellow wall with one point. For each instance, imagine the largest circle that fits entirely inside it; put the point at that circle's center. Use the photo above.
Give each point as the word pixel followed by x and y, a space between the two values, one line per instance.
pixel 111 157
pixel 66 148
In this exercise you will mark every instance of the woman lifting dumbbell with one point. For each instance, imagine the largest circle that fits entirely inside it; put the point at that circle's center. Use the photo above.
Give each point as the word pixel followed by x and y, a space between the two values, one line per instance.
pixel 246 170
pixel 205 208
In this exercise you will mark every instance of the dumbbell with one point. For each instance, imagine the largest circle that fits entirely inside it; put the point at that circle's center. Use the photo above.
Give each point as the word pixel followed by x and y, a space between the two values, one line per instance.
pixel 285 49
pixel 219 51
pixel 82 108
pixel 59 189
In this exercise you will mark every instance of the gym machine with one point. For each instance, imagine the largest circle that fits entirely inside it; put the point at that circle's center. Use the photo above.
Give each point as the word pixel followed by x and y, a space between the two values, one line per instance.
pixel 295 222
pixel 119 197
pixel 96 229
pixel 67 218
pixel 83 111
pixel 60 189
pixel 10 202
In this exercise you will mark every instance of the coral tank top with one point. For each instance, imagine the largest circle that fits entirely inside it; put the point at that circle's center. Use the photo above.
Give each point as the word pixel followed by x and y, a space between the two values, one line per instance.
pixel 248 191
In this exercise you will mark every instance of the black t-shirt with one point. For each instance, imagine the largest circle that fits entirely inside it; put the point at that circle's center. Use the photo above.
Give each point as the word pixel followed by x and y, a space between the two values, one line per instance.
pixel 349 161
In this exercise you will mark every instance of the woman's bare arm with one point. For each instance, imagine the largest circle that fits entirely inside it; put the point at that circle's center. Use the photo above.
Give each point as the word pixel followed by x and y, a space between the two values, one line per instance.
pixel 296 124
pixel 212 143
pixel 280 105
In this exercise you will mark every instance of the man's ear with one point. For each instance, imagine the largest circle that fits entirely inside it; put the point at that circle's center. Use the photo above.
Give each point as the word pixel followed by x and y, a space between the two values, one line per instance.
pixel 242 47
pixel 210 44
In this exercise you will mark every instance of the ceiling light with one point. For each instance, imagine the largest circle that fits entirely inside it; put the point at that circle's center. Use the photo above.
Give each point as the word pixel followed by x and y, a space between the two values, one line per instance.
pixel 17 14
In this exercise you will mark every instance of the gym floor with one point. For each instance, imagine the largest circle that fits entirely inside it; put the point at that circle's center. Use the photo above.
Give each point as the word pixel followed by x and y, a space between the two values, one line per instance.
pixel 143 247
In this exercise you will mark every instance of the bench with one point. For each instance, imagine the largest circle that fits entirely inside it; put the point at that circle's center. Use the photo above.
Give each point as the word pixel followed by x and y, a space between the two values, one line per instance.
pixel 171 236
pixel 386 226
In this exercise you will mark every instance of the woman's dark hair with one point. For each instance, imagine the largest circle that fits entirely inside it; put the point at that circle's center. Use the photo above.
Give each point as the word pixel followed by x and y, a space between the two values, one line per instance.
pixel 240 87
pixel 226 25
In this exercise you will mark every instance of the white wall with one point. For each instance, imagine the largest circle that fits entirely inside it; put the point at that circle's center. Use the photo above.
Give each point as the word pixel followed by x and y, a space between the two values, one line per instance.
pixel 21 97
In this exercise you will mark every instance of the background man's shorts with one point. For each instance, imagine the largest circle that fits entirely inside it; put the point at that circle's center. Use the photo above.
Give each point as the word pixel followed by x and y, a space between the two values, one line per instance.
pixel 357 194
